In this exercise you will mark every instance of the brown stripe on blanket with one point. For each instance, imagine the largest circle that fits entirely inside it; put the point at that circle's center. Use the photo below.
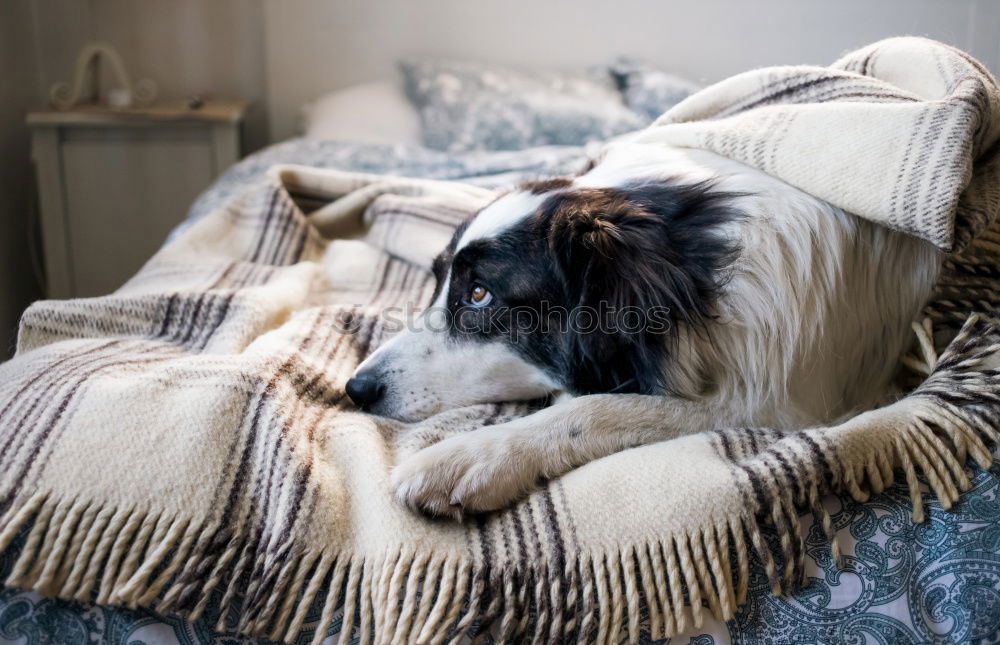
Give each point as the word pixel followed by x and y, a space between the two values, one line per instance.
pixel 284 220
pixel 264 232
pixel 246 470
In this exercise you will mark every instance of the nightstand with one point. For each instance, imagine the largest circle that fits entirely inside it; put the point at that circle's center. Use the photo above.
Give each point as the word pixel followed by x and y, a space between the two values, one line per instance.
pixel 113 183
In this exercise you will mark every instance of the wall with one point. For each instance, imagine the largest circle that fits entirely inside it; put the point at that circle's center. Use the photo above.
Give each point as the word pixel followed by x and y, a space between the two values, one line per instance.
pixel 207 47
pixel 18 91
pixel 317 45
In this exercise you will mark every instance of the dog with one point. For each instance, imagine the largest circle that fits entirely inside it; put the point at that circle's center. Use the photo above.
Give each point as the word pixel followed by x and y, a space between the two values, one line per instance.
pixel 750 303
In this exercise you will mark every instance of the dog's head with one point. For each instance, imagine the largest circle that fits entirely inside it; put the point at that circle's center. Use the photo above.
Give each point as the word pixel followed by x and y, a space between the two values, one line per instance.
pixel 556 287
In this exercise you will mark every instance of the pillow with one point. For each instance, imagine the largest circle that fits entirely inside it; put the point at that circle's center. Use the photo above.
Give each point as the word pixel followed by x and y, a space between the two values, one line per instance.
pixel 376 112
pixel 647 90
pixel 468 106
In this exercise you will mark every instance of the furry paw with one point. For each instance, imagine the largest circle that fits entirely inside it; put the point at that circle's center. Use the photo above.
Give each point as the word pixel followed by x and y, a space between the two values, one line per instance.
pixel 470 473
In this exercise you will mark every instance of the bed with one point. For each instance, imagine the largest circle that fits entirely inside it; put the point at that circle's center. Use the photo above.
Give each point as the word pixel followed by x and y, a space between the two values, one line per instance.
pixel 938 581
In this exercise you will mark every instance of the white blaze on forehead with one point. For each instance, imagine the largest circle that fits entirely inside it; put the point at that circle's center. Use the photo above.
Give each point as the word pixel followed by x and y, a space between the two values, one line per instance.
pixel 500 216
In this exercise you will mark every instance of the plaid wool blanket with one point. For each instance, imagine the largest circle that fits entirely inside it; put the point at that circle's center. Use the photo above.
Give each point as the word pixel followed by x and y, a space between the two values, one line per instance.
pixel 186 439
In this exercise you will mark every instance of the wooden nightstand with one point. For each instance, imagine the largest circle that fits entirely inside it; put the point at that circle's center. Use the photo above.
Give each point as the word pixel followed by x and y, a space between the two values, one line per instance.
pixel 113 183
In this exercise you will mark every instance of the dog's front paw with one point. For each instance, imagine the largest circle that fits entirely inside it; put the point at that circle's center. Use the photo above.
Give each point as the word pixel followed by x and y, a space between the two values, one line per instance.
pixel 469 473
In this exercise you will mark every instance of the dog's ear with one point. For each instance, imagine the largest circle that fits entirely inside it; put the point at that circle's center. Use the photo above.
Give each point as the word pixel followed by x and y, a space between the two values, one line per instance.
pixel 653 250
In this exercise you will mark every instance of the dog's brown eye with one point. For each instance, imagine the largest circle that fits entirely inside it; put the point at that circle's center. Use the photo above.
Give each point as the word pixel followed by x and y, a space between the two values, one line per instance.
pixel 479 296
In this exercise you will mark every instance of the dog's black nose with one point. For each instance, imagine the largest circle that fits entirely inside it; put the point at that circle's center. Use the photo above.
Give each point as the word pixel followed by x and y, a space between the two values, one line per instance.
pixel 364 390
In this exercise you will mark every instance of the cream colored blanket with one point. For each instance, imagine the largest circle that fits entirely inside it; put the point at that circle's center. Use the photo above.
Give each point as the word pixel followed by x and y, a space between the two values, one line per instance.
pixel 187 437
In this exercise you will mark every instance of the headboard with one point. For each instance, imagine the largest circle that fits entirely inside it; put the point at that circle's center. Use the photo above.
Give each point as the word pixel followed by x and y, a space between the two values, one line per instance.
pixel 313 46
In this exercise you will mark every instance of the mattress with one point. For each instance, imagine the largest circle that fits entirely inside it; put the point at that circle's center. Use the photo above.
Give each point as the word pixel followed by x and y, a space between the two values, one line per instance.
pixel 938 581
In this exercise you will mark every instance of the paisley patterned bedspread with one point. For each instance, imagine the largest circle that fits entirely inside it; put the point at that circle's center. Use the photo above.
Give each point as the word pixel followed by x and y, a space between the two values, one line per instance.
pixel 934 582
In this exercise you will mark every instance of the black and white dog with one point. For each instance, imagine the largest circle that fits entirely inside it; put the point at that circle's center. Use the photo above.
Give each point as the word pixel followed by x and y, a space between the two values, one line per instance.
pixel 734 300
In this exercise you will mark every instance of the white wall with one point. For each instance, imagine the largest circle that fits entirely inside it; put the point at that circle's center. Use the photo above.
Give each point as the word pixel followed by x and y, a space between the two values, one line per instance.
pixel 316 45
pixel 281 53
pixel 18 75
pixel 206 47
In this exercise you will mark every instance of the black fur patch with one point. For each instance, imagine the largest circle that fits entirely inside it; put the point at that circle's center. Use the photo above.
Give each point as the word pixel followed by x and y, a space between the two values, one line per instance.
pixel 652 248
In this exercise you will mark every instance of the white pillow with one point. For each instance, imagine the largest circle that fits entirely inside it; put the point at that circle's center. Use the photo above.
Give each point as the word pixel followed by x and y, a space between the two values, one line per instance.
pixel 376 112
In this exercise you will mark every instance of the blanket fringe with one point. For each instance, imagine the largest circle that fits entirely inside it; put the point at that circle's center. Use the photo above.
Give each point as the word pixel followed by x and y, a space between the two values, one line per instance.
pixel 128 557
pixel 406 596
pixel 76 549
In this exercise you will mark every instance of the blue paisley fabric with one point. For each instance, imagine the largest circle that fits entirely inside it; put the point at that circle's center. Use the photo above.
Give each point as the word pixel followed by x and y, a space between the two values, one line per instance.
pixel 901 583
